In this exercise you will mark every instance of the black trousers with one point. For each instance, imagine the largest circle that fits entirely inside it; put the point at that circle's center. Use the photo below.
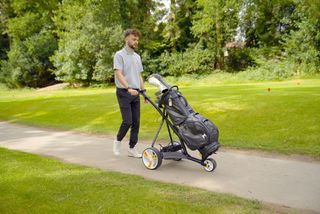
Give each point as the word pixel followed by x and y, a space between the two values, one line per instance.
pixel 130 112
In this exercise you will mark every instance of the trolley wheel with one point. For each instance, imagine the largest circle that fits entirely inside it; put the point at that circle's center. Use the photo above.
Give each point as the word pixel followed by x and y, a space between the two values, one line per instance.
pixel 151 158
pixel 209 164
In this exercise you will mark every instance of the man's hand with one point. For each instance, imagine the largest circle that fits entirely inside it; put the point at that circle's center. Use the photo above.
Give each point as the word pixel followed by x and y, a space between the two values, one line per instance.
pixel 133 92
pixel 145 100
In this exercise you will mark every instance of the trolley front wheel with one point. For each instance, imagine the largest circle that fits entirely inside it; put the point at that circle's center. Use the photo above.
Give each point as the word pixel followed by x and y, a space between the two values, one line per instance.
pixel 209 164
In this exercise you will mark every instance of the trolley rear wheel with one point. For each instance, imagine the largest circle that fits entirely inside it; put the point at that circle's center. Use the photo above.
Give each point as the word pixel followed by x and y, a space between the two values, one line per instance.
pixel 151 158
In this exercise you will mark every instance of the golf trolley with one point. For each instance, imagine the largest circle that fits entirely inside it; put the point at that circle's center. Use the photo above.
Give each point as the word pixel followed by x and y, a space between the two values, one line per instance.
pixel 193 130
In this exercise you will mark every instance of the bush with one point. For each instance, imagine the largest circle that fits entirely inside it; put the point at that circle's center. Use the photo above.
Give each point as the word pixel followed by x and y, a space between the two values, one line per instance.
pixel 238 59
pixel 150 64
pixel 88 57
pixel 302 48
pixel 86 45
pixel 192 61
pixel 28 62
pixel 270 70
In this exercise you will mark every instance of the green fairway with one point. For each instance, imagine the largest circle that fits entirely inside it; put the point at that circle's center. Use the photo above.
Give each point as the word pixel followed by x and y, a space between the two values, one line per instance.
pixel 33 184
pixel 284 118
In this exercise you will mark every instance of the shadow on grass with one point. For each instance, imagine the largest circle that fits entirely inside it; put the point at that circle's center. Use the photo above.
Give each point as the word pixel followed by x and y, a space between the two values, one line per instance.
pixel 86 113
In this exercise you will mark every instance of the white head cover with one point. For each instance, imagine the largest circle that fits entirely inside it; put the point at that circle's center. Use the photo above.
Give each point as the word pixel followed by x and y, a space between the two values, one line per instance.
pixel 156 80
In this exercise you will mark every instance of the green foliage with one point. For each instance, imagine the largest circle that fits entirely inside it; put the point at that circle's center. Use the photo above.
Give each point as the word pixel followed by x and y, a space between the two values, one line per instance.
pixel 193 60
pixel 269 64
pixel 150 64
pixel 266 23
pixel 6 12
pixel 270 70
pixel 211 28
pixel 177 32
pixel 238 59
pixel 88 58
pixel 302 46
pixel 20 28
pixel 75 40
pixel 28 61
pixel 150 14
pixel 4 46
pixel 32 43
pixel 86 43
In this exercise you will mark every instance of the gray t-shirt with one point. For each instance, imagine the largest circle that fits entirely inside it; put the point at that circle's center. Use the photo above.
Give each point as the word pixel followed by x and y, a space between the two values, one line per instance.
pixel 131 66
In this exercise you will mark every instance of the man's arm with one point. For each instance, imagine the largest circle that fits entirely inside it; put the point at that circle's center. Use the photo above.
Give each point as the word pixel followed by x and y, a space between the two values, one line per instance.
pixel 124 83
pixel 120 77
pixel 142 87
pixel 141 83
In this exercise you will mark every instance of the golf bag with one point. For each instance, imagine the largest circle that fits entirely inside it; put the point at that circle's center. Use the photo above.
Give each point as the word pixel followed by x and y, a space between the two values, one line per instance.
pixel 198 132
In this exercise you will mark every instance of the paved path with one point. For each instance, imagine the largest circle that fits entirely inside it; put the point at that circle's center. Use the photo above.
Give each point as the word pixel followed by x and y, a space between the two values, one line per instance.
pixel 280 181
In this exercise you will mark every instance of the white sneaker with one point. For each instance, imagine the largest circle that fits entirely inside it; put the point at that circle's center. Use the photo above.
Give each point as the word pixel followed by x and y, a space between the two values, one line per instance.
pixel 116 147
pixel 132 152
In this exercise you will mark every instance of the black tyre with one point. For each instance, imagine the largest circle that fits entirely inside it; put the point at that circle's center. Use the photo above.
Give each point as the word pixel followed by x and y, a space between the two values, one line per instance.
pixel 210 165
pixel 151 158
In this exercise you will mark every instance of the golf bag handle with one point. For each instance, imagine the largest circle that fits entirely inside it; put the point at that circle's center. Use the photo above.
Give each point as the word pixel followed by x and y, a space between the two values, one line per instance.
pixel 175 86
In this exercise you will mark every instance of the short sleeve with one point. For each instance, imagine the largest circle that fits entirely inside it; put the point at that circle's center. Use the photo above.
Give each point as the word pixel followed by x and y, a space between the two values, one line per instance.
pixel 140 67
pixel 117 62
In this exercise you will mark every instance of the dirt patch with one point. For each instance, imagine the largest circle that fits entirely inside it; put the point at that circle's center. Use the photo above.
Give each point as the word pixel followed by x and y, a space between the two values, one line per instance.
pixel 58 86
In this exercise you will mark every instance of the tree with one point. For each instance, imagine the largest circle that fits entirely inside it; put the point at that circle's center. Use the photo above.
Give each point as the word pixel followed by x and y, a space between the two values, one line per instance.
pixel 177 31
pixel 302 45
pixel 31 44
pixel 28 61
pixel 266 23
pixel 89 33
pixel 215 23
pixel 6 12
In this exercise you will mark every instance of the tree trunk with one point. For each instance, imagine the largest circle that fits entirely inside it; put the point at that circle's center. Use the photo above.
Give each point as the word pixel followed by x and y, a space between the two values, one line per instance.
pixel 218 49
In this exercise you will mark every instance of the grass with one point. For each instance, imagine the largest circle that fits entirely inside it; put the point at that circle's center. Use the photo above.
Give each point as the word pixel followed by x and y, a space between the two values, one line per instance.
pixel 34 184
pixel 285 119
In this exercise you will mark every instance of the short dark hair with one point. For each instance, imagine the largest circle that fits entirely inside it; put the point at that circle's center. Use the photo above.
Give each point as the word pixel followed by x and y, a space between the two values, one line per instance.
pixel 134 32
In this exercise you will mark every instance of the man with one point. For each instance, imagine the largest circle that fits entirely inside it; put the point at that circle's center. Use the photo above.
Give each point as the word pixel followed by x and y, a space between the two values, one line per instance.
pixel 128 67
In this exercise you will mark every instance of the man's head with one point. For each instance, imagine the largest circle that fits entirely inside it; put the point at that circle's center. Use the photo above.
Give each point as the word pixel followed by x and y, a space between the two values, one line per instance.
pixel 131 37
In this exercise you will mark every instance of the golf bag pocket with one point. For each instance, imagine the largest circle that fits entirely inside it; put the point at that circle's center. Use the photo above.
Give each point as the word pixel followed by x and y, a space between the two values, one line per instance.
pixel 177 106
pixel 198 132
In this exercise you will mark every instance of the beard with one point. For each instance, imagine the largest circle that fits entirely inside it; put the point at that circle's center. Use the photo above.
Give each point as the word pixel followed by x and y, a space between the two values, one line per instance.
pixel 133 45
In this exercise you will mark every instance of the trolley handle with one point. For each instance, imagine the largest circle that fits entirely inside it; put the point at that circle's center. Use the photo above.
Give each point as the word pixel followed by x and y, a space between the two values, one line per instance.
pixel 145 96
pixel 143 93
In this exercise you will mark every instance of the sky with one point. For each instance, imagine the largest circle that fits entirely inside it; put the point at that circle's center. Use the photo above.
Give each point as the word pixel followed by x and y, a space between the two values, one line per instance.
pixel 166 3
